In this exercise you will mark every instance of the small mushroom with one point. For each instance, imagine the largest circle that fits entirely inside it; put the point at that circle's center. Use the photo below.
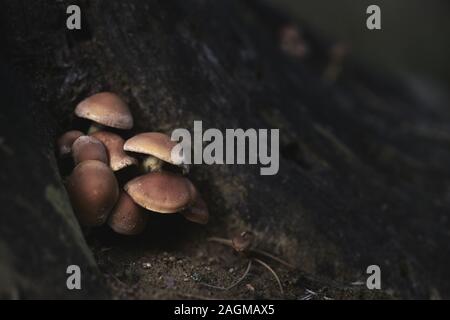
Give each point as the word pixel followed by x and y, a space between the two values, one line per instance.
pixel 66 141
pixel 118 159
pixel 88 148
pixel 127 218
pixel 292 41
pixel 93 192
pixel 105 109
pixel 197 212
pixel 162 192
pixel 156 146
pixel 242 242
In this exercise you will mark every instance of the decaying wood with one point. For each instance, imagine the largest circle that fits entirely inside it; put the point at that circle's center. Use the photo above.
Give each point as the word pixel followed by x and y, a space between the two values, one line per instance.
pixel 364 169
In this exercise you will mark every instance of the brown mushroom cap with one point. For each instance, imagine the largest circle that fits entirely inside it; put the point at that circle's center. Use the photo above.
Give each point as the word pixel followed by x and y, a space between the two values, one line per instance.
pixel 66 141
pixel 106 108
pixel 154 144
pixel 162 192
pixel 118 159
pixel 127 217
pixel 89 148
pixel 198 212
pixel 242 242
pixel 93 192
pixel 292 41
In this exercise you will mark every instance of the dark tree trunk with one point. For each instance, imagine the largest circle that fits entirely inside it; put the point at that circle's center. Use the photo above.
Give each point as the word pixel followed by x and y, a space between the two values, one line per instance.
pixel 364 169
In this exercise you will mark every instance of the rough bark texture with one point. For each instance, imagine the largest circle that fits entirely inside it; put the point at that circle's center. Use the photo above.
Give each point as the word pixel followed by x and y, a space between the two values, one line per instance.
pixel 364 169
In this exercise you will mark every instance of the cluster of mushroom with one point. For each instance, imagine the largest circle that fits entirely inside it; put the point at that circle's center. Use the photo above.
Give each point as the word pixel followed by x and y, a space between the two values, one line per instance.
pixel 93 187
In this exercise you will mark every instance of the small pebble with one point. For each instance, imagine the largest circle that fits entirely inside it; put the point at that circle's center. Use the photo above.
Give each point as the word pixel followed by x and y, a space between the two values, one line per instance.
pixel 172 259
pixel 196 277
pixel 250 287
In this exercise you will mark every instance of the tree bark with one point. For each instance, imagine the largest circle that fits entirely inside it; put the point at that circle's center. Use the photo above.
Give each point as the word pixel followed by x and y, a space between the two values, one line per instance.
pixel 364 175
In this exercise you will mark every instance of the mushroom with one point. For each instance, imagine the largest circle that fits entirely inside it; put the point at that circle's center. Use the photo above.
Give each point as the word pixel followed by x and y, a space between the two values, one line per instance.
pixel 66 141
pixel 88 148
pixel 127 218
pixel 197 212
pixel 242 242
pixel 162 192
pixel 118 159
pixel 292 41
pixel 93 192
pixel 105 109
pixel 156 146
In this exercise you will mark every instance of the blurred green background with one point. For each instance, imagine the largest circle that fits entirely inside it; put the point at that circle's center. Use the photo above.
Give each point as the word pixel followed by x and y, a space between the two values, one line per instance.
pixel 414 37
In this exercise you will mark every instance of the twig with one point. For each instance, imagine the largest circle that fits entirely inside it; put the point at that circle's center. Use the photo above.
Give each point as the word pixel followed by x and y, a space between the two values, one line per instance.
pixel 117 279
pixel 268 255
pixel 232 285
pixel 272 271
pixel 224 241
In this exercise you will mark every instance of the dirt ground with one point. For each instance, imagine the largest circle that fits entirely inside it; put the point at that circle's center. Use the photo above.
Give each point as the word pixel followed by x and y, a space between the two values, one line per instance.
pixel 173 259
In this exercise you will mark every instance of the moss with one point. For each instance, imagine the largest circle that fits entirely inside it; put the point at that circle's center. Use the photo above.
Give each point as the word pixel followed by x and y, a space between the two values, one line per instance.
pixel 61 204
pixel 59 201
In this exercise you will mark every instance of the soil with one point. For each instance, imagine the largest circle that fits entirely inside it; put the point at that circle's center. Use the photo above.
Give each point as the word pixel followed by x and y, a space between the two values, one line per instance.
pixel 146 268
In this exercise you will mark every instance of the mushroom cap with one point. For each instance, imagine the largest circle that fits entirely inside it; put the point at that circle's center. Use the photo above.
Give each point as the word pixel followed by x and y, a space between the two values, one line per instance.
pixel 66 141
pixel 155 144
pixel 118 159
pixel 89 148
pixel 106 108
pixel 93 192
pixel 242 242
pixel 198 212
pixel 162 192
pixel 127 217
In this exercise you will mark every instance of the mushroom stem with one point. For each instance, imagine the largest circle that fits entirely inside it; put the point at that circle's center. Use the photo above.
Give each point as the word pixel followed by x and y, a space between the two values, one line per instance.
pixel 95 127
pixel 332 71
pixel 338 53
pixel 151 164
